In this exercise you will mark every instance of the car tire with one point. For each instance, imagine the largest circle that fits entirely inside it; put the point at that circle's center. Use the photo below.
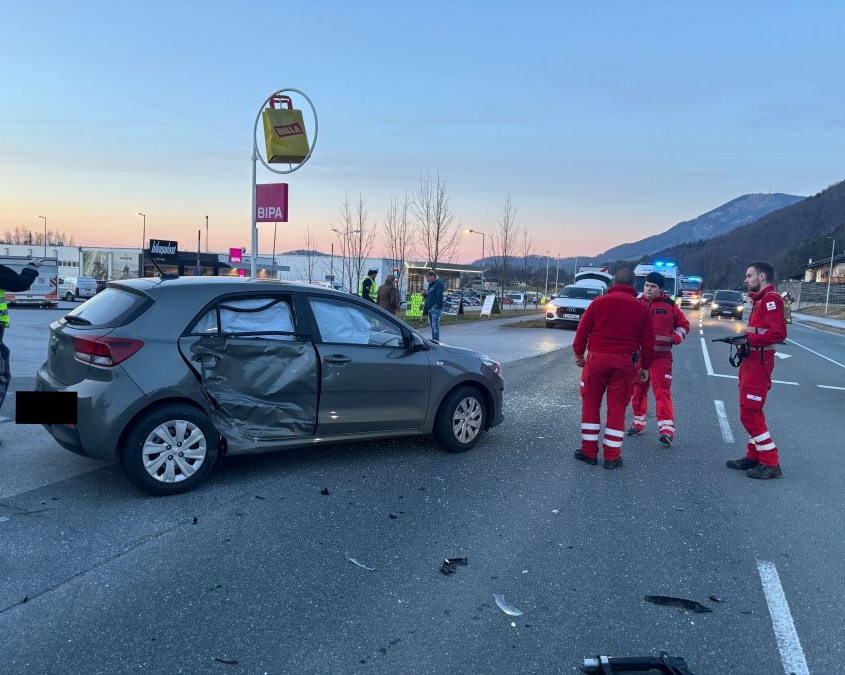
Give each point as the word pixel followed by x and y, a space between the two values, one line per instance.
pixel 550 324
pixel 69 296
pixel 461 419
pixel 153 464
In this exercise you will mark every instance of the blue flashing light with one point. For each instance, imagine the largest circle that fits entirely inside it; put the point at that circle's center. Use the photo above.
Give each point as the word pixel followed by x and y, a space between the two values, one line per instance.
pixel 658 263
pixel 670 264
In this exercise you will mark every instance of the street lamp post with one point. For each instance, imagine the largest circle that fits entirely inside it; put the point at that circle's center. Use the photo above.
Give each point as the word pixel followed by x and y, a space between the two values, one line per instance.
pixel 829 274
pixel 557 270
pixel 206 234
pixel 44 218
pixel 482 254
pixel 143 241
pixel 548 256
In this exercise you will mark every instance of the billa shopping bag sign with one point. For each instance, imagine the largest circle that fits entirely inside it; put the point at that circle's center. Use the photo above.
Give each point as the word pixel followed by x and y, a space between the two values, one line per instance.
pixel 271 203
pixel 235 255
pixel 284 132
pixel 164 251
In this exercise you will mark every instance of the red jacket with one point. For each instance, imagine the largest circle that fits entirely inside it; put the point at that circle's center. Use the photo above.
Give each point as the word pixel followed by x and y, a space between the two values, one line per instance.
pixel 767 323
pixel 669 323
pixel 616 323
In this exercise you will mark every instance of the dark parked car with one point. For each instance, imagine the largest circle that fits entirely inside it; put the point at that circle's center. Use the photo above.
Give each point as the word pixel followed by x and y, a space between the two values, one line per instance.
pixel 170 374
pixel 727 303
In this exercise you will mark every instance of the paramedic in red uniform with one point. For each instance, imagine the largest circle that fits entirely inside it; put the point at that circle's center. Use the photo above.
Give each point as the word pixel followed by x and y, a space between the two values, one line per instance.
pixel 615 328
pixel 670 328
pixel 766 328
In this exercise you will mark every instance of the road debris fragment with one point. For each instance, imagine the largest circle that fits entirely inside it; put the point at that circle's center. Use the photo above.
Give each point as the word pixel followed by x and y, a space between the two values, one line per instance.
pixel 505 606
pixel 448 566
pixel 683 603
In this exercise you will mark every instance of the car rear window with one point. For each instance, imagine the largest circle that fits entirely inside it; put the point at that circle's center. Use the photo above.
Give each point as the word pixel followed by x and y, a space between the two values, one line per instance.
pixel 111 307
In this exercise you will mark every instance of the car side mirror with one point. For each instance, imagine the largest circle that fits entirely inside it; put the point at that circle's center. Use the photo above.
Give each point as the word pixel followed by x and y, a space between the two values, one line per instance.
pixel 417 343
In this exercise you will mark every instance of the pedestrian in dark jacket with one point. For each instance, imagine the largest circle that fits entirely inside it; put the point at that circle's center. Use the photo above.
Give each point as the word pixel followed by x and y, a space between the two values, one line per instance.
pixel 388 296
pixel 15 283
pixel 434 303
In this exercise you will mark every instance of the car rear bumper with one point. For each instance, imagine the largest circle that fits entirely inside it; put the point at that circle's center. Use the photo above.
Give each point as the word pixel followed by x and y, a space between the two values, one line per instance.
pixel 102 412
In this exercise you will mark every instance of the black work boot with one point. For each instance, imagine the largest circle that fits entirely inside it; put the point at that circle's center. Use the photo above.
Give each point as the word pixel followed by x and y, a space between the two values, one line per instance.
pixel 613 463
pixel 667 440
pixel 586 458
pixel 635 430
pixel 742 464
pixel 761 471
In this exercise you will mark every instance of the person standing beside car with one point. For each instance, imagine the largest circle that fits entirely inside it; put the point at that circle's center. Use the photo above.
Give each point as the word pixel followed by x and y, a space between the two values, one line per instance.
pixel 670 328
pixel 434 302
pixel 616 327
pixel 16 283
pixel 388 296
pixel 766 328
pixel 367 289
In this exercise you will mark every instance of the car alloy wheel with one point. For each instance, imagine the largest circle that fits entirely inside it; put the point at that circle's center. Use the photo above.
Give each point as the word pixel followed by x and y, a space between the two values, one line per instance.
pixel 461 419
pixel 170 450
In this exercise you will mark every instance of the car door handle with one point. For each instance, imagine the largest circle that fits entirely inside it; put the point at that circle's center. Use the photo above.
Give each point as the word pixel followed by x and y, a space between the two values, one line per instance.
pixel 206 360
pixel 337 358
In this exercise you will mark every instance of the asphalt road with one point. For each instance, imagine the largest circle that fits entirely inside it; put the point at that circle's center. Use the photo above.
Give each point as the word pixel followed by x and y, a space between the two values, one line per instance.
pixel 251 573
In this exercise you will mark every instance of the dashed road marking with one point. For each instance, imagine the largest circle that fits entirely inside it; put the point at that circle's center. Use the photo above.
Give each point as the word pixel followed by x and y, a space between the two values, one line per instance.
pixel 724 425
pixel 789 646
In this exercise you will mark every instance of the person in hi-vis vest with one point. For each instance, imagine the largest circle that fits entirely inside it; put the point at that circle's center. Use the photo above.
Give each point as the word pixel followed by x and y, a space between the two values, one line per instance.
pixel 15 283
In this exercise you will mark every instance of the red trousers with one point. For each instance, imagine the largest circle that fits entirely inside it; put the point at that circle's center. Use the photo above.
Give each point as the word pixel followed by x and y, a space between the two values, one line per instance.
pixel 614 374
pixel 660 381
pixel 755 380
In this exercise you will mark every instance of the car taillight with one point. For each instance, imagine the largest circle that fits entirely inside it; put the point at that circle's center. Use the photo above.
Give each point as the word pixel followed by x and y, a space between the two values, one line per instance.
pixel 105 351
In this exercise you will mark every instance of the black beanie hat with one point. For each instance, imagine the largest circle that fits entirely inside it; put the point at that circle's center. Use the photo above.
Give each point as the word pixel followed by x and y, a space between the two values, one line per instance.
pixel 656 278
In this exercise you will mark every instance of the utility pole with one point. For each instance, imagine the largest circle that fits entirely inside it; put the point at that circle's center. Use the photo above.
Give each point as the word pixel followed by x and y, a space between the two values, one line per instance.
pixel 206 234
pixel 829 274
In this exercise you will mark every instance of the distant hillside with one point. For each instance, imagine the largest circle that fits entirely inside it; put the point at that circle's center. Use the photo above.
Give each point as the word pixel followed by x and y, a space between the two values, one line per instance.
pixel 787 238
pixel 721 220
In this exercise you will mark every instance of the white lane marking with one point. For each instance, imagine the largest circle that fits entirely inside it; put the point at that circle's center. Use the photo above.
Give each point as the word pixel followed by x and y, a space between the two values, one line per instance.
pixel 727 434
pixel 707 363
pixel 709 366
pixel 791 653
pixel 798 344
pixel 781 355
pixel 827 386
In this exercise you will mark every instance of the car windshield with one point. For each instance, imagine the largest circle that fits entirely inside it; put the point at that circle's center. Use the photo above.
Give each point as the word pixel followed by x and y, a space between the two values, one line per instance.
pixel 580 293
pixel 728 296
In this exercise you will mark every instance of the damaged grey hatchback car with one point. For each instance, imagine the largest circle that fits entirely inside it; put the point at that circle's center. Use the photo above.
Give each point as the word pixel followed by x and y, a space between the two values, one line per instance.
pixel 170 374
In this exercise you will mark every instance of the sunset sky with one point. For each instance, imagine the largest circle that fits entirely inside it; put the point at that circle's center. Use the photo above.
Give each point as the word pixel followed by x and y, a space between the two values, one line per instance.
pixel 604 122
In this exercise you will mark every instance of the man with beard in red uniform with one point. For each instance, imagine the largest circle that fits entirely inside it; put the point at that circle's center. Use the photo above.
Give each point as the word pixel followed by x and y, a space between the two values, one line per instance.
pixel 766 328
pixel 617 330
pixel 670 328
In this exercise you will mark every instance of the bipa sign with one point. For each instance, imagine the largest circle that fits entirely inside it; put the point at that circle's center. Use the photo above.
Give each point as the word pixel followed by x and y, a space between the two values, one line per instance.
pixel 271 203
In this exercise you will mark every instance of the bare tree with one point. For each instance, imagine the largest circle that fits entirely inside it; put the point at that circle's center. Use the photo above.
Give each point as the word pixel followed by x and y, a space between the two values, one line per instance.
pixel 525 245
pixel 438 232
pixel 505 240
pixel 306 271
pixel 356 241
pixel 398 234
pixel 345 234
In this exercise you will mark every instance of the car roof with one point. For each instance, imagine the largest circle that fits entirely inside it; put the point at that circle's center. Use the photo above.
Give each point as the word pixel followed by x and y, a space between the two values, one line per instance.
pixel 155 287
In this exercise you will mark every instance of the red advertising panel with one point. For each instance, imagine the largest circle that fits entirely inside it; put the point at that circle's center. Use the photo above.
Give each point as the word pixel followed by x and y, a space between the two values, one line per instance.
pixel 235 255
pixel 271 203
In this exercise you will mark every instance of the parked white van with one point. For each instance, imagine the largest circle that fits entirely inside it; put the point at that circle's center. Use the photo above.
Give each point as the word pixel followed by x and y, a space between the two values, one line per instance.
pixel 71 288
